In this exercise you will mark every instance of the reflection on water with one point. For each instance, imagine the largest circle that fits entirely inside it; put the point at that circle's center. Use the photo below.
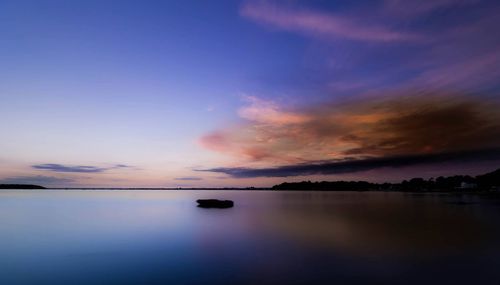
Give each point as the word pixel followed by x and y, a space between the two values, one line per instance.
pixel 161 237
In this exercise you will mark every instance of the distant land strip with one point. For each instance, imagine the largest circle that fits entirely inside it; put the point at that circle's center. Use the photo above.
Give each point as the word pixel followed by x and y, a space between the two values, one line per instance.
pixel 485 182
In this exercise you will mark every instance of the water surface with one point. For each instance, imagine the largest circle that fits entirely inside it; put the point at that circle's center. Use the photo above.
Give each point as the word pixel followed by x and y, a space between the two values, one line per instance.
pixel 161 237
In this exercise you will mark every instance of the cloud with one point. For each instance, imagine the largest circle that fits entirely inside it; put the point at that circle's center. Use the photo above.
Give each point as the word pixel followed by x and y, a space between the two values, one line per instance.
pixel 455 48
pixel 358 165
pixel 245 140
pixel 188 178
pixel 423 125
pixel 410 8
pixel 268 112
pixel 396 124
pixel 320 24
pixel 400 129
pixel 122 166
pixel 39 180
pixel 77 169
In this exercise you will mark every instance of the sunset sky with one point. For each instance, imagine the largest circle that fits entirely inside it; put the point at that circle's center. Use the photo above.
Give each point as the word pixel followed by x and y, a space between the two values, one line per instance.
pixel 246 93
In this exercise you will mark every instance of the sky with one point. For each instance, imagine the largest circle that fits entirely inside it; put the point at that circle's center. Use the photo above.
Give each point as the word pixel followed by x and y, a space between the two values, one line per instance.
pixel 246 93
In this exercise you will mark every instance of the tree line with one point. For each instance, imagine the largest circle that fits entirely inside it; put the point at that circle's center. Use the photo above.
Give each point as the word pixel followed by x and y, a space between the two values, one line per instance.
pixel 488 181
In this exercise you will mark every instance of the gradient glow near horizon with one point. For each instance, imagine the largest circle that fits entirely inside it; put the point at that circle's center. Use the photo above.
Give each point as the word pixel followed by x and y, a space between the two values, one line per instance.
pixel 246 93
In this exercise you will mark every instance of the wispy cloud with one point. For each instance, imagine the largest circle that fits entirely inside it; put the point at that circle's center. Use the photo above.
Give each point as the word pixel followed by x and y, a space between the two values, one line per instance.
pixel 188 178
pixel 457 50
pixel 358 165
pixel 410 8
pixel 76 168
pixel 320 24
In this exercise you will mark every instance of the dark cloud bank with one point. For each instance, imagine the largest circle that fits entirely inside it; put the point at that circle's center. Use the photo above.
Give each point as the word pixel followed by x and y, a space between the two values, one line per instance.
pixel 358 165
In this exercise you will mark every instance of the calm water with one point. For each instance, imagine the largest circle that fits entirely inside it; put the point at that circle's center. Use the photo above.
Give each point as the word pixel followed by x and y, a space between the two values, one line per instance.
pixel 161 237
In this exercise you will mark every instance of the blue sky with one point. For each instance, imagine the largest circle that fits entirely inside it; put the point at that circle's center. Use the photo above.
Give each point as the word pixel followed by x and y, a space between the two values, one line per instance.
pixel 150 84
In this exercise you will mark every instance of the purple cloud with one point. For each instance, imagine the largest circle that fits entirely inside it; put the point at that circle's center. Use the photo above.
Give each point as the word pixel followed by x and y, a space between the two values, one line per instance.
pixel 411 8
pixel 188 178
pixel 322 25
pixel 76 168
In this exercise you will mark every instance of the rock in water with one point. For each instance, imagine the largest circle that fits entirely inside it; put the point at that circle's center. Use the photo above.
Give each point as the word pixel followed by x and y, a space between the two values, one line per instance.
pixel 215 203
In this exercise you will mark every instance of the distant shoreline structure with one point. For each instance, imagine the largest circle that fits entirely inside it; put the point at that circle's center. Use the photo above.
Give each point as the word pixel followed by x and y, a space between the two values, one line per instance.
pixel 463 183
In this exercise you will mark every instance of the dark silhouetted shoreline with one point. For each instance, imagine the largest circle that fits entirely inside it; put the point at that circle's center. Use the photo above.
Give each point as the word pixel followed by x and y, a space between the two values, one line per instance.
pixel 20 186
pixel 485 182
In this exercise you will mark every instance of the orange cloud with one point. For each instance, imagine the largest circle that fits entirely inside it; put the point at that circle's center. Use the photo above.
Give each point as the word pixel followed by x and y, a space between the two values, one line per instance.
pixel 382 127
